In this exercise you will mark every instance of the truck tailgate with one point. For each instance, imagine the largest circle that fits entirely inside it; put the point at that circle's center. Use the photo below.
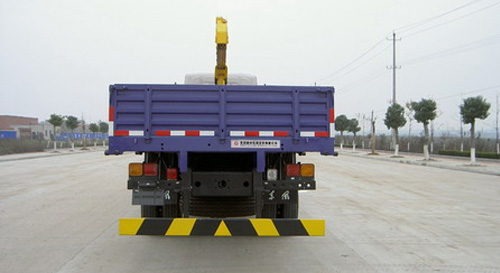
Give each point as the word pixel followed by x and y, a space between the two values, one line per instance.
pixel 212 118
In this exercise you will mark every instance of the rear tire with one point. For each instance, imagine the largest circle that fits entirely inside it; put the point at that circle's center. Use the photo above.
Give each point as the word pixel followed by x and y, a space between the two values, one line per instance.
pixel 269 211
pixel 151 211
pixel 222 206
pixel 171 211
pixel 290 211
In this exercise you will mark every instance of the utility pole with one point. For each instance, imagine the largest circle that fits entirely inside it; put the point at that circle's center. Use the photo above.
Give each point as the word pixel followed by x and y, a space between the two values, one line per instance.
pixel 374 137
pixel 496 128
pixel 363 138
pixel 409 114
pixel 461 134
pixel 393 67
pixel 432 136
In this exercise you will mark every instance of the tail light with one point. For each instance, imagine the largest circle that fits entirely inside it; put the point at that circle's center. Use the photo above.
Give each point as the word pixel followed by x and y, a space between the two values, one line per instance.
pixel 135 169
pixel 172 174
pixel 150 169
pixel 307 170
pixel 303 170
pixel 292 170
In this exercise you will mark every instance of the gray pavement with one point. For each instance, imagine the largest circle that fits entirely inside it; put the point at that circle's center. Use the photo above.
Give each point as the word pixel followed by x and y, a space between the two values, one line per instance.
pixel 60 213
pixel 483 166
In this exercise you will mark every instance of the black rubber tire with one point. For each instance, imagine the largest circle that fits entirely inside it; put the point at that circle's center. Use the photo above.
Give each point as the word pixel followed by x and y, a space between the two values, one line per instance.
pixel 222 206
pixel 280 211
pixel 171 211
pixel 151 211
pixel 269 211
pixel 289 211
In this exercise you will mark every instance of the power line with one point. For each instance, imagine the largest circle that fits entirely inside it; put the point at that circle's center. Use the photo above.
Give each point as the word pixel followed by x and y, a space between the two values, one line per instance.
pixel 451 20
pixel 470 92
pixel 455 50
pixel 351 63
pixel 365 80
pixel 422 22
pixel 363 63
pixel 405 29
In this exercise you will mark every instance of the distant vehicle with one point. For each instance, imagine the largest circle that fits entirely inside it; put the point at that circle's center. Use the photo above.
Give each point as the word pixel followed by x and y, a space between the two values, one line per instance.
pixel 218 150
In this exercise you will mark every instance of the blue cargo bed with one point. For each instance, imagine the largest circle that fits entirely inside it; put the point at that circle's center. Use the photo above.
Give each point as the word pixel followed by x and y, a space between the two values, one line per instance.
pixel 214 118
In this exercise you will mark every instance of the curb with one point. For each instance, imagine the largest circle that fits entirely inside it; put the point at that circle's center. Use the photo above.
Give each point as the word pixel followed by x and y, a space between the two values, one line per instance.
pixel 45 155
pixel 426 164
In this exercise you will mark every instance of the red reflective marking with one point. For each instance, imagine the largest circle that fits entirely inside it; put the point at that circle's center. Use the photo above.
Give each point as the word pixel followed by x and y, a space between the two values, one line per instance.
pixel 332 115
pixel 121 133
pixel 280 133
pixel 111 113
pixel 321 134
pixel 192 133
pixel 162 133
pixel 251 133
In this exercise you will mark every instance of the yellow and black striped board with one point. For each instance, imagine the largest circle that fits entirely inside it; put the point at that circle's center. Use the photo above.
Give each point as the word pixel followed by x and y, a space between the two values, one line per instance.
pixel 221 227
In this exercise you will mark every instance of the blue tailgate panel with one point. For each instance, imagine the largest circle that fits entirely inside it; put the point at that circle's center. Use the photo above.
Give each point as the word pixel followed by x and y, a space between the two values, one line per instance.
pixel 211 118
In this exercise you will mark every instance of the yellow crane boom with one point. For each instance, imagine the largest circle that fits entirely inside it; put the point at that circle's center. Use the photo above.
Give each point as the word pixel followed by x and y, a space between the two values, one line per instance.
pixel 221 39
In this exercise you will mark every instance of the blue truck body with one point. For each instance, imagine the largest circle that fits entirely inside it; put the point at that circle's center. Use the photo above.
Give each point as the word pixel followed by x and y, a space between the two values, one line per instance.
pixel 220 150
pixel 214 118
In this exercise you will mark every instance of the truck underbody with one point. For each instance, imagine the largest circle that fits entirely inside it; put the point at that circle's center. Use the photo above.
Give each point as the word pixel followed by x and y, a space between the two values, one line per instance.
pixel 219 185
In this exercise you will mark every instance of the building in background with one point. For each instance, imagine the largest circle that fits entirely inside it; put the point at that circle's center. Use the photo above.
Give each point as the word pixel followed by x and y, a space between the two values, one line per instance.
pixel 44 130
pixel 20 127
pixel 17 127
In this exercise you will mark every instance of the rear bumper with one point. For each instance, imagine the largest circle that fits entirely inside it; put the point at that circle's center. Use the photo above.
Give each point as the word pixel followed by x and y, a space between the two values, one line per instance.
pixel 221 227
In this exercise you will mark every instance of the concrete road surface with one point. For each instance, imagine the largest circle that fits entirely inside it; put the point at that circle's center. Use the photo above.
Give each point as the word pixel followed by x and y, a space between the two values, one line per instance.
pixel 59 214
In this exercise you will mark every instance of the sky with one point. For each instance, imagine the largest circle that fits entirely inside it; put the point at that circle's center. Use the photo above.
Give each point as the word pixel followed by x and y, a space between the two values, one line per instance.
pixel 60 56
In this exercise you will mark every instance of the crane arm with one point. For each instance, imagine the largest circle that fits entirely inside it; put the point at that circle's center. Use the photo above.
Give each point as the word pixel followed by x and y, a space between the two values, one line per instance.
pixel 221 39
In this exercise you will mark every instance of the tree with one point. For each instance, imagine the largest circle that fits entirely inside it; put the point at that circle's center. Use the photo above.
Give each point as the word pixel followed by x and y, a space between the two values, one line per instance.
pixel 72 123
pixel 425 111
pixel 56 121
pixel 94 128
pixel 474 108
pixel 395 119
pixel 353 127
pixel 103 127
pixel 341 125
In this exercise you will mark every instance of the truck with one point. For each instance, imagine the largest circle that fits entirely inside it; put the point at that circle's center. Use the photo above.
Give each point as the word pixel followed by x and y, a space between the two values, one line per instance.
pixel 220 159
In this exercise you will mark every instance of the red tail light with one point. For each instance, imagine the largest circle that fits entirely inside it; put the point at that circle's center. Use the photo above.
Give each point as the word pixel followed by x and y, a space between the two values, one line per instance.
pixel 150 169
pixel 172 174
pixel 292 170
